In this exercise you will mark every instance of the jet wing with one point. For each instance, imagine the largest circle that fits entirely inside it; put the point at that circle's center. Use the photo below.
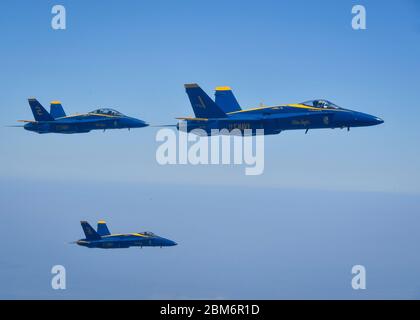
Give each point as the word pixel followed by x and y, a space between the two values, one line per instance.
pixel 27 121
pixel 81 120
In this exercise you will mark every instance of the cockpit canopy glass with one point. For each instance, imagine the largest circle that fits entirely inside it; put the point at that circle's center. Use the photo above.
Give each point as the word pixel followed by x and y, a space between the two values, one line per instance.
pixel 148 233
pixel 107 111
pixel 323 104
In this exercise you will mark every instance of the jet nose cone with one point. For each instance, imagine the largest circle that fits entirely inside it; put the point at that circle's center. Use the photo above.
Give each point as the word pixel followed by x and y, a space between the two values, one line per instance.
pixel 141 123
pixel 170 243
pixel 373 121
pixel 137 123
pixel 364 119
pixel 379 120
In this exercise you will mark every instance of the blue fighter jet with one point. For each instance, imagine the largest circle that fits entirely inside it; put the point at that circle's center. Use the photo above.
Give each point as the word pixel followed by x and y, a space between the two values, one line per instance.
pixel 58 122
pixel 225 114
pixel 103 239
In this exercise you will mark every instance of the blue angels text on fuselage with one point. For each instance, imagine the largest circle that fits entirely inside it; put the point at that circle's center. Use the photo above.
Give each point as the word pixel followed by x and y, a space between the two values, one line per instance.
pixel 56 121
pixel 225 114
pixel 103 239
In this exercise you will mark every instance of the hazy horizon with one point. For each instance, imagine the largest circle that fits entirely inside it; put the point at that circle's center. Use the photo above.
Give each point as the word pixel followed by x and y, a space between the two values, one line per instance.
pixel 327 200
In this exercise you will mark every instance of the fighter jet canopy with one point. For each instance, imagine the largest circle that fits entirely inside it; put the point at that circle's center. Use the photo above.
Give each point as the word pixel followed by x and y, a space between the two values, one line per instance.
pixel 323 104
pixel 148 233
pixel 107 111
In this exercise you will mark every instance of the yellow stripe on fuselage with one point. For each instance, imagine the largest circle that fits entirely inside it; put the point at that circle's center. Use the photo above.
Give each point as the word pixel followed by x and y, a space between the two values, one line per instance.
pixel 293 105
pixel 248 110
pixel 89 114
pixel 125 234
pixel 297 105
pixel 114 235
pixel 72 116
pixel 302 106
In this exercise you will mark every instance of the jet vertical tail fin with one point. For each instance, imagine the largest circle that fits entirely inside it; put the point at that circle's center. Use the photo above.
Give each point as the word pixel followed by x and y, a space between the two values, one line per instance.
pixel 226 100
pixel 103 229
pixel 202 104
pixel 56 110
pixel 40 114
pixel 90 233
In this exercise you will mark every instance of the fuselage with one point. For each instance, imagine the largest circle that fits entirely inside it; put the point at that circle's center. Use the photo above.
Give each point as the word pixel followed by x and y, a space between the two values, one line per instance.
pixel 275 119
pixel 117 241
pixel 82 123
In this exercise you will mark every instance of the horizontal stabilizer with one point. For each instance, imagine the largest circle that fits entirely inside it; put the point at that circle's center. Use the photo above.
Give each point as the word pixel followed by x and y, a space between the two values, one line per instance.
pixel 27 121
pixel 192 119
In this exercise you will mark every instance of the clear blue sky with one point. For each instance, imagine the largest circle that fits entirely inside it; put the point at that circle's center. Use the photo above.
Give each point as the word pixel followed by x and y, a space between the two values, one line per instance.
pixel 135 56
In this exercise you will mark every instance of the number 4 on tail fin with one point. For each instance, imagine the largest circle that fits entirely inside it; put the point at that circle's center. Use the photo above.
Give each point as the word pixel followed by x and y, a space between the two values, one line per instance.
pixel 90 233
pixel 39 112
pixel 202 104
